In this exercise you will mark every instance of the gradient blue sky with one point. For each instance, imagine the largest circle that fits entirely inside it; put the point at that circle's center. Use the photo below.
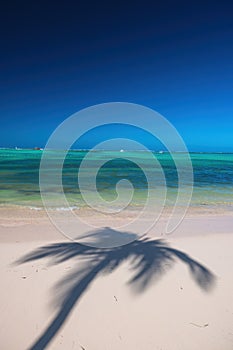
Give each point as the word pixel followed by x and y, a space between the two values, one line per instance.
pixel 174 56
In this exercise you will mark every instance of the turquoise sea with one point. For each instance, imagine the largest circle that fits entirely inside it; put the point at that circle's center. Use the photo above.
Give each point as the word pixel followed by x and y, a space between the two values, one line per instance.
pixel 19 176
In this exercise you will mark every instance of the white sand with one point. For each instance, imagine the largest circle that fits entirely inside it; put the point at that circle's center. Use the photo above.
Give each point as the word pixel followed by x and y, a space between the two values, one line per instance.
pixel 180 309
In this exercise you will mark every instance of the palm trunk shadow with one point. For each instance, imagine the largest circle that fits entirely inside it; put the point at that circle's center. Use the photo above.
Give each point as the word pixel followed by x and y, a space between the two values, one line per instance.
pixel 74 295
pixel 149 259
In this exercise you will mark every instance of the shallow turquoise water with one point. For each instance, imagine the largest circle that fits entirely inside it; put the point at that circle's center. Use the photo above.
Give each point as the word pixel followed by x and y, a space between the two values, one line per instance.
pixel 19 176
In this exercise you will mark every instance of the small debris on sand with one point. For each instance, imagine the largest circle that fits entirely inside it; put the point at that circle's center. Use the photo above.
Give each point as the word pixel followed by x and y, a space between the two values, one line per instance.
pixel 199 325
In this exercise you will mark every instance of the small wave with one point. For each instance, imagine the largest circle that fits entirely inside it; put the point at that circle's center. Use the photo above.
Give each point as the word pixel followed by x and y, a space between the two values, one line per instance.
pixel 67 208
pixel 35 208
pixel 57 209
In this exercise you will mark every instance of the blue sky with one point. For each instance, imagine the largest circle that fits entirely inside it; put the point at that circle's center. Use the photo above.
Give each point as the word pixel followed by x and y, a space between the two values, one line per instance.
pixel 174 57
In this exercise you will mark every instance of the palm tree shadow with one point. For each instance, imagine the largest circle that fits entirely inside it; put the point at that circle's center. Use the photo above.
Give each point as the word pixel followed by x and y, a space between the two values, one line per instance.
pixel 149 259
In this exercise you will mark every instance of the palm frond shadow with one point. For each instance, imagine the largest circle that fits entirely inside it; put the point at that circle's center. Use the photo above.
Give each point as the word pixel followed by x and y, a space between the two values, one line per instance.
pixel 148 259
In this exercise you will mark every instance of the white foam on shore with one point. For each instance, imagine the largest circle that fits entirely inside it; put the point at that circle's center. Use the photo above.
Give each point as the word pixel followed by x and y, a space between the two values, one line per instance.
pixel 67 208
pixel 35 208
pixel 57 209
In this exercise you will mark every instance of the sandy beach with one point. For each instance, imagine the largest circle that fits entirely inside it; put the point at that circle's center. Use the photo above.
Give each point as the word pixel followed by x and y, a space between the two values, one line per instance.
pixel 162 293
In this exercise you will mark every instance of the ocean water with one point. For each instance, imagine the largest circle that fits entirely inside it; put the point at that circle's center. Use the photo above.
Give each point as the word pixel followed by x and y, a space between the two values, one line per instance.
pixel 19 177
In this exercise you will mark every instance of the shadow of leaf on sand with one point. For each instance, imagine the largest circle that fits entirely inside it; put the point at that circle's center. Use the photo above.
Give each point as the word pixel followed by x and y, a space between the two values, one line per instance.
pixel 148 259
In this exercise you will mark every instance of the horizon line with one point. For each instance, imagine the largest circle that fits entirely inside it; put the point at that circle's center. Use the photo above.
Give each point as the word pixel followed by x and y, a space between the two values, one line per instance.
pixel 110 150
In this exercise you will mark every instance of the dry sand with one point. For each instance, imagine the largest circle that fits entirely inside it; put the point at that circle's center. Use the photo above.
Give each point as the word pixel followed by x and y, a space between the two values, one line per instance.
pixel 170 294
